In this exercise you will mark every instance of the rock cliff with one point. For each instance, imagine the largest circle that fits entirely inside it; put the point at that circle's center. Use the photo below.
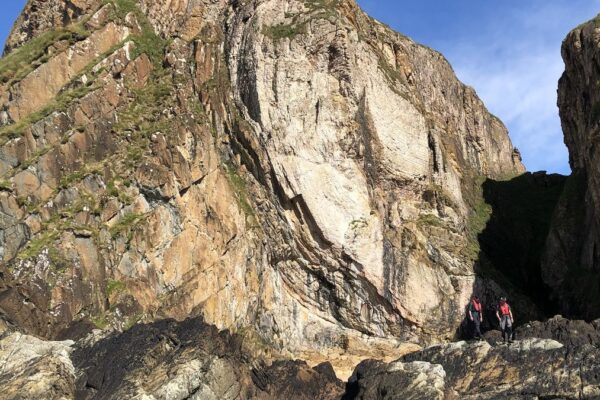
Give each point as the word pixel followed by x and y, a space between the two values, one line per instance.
pixel 291 170
pixel 572 259
pixel 294 172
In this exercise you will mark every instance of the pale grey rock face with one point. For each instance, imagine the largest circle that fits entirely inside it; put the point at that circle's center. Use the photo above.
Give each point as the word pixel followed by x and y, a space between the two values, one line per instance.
pixel 356 125
pixel 31 368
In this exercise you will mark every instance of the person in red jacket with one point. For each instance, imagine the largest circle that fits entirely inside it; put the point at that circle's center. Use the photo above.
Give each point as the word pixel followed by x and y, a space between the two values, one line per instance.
pixel 506 320
pixel 476 317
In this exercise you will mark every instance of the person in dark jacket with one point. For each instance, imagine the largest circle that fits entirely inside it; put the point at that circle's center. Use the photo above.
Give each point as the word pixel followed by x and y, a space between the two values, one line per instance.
pixel 506 320
pixel 476 317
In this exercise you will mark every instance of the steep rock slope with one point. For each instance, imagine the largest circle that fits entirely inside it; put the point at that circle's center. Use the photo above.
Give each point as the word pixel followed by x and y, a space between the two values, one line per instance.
pixel 290 167
pixel 572 260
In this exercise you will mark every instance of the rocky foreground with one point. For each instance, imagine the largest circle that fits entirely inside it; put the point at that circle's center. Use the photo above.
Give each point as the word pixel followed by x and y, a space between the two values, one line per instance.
pixel 192 360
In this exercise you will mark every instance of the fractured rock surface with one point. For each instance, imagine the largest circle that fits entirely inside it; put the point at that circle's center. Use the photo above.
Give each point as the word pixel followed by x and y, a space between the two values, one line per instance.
pixel 192 360
pixel 293 169
pixel 31 368
pixel 572 262
pixel 528 368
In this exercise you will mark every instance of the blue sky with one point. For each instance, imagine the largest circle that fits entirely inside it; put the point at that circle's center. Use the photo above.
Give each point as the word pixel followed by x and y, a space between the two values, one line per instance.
pixel 10 11
pixel 508 50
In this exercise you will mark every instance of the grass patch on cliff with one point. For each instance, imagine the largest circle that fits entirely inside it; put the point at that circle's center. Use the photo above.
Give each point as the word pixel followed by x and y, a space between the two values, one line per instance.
pixel 147 42
pixel 114 286
pixel 71 92
pixel 430 220
pixel 58 104
pixel 37 245
pixel 284 31
pixel 21 61
pixel 125 224
pixel 6 185
pixel 100 321
pixel 317 9
pixel 238 185
pixel 478 217
pixel 324 9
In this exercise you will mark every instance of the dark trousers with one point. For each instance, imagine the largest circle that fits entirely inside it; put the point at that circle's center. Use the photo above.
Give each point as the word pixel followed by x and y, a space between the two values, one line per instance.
pixel 506 327
pixel 476 324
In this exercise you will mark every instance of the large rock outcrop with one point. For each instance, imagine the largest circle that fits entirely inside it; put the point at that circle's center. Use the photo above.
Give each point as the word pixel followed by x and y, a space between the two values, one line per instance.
pixel 191 360
pixel 527 369
pixel 165 360
pixel 291 169
pixel 31 368
pixel 572 259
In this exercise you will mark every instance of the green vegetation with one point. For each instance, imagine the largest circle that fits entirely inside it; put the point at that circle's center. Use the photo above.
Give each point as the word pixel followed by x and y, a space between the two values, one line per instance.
pixel 323 9
pixel 317 9
pixel 67 180
pixel 136 123
pixel 147 42
pixel 126 224
pixel 114 287
pixel 58 104
pixel 478 217
pixel 476 223
pixel 5 185
pixel 38 244
pixel 283 31
pixel 241 192
pixel 430 220
pixel 101 321
pixel 58 262
pixel 21 61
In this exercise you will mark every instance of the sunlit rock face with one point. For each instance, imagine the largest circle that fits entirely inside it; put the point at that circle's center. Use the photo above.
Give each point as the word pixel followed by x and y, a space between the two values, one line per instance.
pixel 292 170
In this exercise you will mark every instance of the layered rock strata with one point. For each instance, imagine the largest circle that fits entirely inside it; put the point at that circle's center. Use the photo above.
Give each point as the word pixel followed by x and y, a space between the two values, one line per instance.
pixel 291 169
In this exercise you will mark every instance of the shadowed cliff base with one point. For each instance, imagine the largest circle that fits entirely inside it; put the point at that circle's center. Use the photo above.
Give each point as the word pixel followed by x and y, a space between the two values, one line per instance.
pixel 530 251
pixel 191 359
pixel 514 239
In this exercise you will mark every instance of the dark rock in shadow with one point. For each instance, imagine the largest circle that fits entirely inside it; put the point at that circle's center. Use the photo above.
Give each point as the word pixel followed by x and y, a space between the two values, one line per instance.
pixel 191 359
pixel 514 240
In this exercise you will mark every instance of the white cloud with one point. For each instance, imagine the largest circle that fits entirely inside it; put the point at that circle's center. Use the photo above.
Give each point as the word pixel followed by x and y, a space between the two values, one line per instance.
pixel 515 71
